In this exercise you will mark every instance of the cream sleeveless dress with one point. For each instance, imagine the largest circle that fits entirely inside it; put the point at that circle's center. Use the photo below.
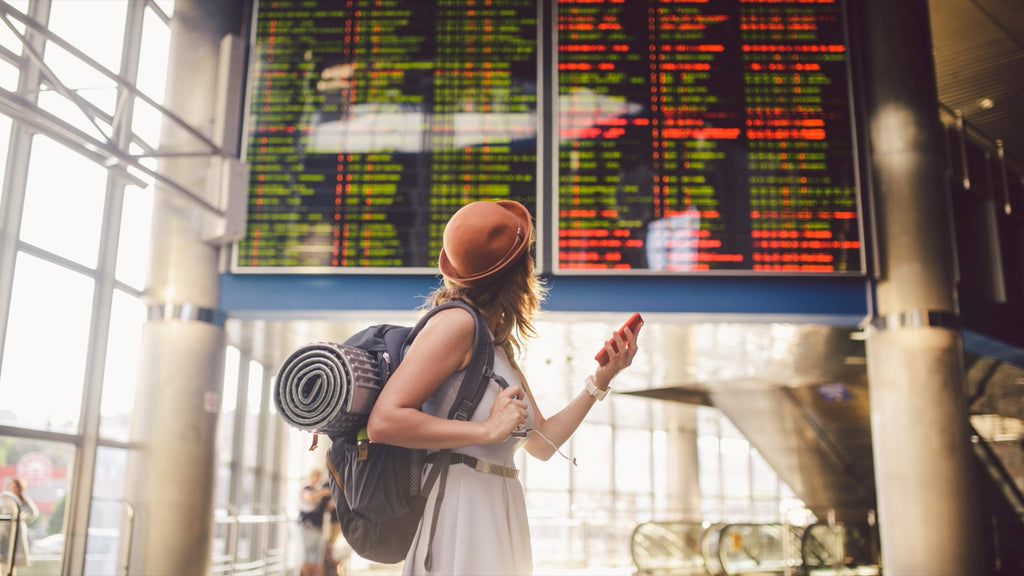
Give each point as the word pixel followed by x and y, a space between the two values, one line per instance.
pixel 482 528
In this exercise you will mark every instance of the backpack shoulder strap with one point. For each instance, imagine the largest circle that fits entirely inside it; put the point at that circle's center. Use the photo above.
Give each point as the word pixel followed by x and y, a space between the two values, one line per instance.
pixel 480 365
pixel 478 372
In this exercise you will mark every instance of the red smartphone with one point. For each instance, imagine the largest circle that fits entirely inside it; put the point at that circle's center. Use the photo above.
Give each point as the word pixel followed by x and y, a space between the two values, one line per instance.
pixel 634 323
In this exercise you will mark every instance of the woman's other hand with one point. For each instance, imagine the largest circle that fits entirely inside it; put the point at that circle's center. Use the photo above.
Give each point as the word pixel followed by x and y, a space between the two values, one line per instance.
pixel 508 413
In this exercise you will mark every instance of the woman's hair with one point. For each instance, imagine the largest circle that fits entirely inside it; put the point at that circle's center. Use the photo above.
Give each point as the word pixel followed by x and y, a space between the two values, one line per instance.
pixel 18 484
pixel 508 303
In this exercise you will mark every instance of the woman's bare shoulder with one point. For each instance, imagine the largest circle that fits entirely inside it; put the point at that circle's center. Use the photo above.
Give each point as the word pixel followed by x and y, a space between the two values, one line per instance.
pixel 452 324
pixel 449 332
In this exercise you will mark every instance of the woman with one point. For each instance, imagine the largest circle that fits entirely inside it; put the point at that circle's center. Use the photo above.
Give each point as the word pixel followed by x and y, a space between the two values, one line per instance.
pixel 481 526
pixel 16 488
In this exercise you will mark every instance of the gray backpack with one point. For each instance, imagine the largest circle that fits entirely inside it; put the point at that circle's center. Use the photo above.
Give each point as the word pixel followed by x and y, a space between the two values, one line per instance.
pixel 378 489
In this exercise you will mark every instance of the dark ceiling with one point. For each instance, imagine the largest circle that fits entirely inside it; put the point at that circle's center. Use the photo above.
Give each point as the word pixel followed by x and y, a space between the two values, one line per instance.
pixel 979 66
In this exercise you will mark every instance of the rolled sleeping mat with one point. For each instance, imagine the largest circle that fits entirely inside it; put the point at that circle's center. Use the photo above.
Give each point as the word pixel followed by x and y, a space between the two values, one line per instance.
pixel 327 388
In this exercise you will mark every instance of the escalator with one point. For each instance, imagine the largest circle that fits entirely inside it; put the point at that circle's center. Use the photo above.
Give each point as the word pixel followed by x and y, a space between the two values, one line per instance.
pixel 694 549
pixel 997 428
pixel 807 413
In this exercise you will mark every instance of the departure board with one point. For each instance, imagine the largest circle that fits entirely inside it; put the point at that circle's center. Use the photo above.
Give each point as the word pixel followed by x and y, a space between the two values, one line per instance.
pixel 371 121
pixel 705 136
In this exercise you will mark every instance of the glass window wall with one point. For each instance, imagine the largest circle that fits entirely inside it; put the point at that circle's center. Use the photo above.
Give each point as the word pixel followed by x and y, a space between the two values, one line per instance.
pixel 76 247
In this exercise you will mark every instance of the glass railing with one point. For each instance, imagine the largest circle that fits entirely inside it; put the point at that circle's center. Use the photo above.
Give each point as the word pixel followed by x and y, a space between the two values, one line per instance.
pixel 692 548
pixel 752 548
pixel 249 543
pixel 839 549
pixel 669 548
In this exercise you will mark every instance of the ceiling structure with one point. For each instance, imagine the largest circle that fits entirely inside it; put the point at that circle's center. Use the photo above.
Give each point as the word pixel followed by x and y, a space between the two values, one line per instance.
pixel 979 66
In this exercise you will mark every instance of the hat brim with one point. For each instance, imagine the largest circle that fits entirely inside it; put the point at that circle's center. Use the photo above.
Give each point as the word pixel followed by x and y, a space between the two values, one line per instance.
pixel 521 245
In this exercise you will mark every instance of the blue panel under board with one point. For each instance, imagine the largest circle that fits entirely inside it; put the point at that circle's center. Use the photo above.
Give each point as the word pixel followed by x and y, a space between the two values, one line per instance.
pixel 984 345
pixel 832 300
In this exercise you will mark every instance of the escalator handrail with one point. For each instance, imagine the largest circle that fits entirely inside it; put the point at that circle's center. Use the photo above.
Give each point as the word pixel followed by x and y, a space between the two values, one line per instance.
pixel 993 461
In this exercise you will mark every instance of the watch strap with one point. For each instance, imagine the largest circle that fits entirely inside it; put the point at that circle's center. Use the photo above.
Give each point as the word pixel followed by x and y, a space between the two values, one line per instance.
pixel 594 391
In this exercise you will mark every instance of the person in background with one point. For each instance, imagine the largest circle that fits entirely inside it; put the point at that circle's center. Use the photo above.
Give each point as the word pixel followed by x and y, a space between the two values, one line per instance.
pixel 16 488
pixel 338 551
pixel 481 525
pixel 312 505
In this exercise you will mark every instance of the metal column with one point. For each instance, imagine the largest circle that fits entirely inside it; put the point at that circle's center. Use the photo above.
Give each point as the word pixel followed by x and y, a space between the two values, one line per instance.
pixel 928 518
pixel 171 466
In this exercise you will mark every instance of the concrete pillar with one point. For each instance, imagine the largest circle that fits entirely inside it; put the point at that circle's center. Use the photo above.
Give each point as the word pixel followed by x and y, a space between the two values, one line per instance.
pixel 928 517
pixel 171 467
pixel 683 483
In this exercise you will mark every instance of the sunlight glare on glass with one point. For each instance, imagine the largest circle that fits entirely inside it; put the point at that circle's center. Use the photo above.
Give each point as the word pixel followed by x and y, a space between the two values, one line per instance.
pixel 167 6
pixel 124 349
pixel 5 138
pixel 74 79
pixel 254 396
pixel 146 124
pixel 633 460
pixel 68 111
pixel 19 5
pixel 9 75
pixel 9 39
pixel 64 208
pixel 592 448
pixel 153 56
pixel 152 76
pixel 232 362
pixel 78 21
pixel 46 343
pixel 134 241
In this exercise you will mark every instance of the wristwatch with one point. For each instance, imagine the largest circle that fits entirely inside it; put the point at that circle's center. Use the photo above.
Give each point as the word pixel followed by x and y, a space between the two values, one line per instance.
pixel 593 390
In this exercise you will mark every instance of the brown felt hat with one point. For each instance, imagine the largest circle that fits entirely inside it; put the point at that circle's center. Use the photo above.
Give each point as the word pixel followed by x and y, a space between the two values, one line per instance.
pixel 483 239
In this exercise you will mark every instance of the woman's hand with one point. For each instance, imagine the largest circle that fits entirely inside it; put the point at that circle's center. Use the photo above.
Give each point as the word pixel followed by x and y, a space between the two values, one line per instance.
pixel 507 414
pixel 620 356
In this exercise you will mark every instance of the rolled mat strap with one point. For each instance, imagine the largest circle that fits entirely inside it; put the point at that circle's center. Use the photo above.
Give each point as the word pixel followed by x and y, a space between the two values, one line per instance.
pixel 327 388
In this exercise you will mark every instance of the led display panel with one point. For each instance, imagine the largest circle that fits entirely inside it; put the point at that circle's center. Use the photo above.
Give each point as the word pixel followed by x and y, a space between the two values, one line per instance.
pixel 371 121
pixel 705 136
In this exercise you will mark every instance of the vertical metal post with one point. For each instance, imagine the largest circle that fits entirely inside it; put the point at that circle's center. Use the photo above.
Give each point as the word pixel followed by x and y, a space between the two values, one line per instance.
pixel 928 517
pixel 124 550
pixel 129 512
pixel 15 520
pixel 233 529
pixel 787 547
